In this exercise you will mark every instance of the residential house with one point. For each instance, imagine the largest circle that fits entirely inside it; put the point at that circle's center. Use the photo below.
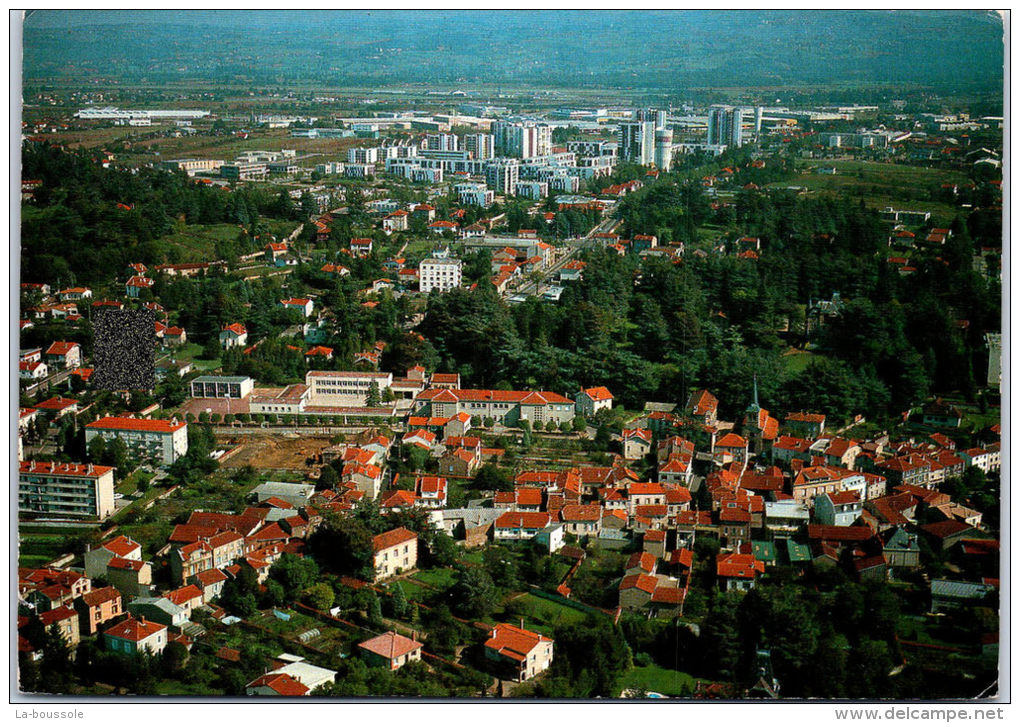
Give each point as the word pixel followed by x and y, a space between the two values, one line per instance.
pixel 582 520
pixel 97 558
pixel 131 577
pixel 394 552
pixel 305 306
pixel 431 491
pixel 525 652
pixel 161 610
pixel 737 571
pixel 838 508
pixel 940 414
pixel 804 424
pixel 134 635
pixel 520 525
pixel 592 401
pixel 63 355
pixel 66 620
pixel 731 448
pixel 637 443
pixel 390 650
pixel 97 607
pixel 292 676
pixel 233 335
pixel 703 406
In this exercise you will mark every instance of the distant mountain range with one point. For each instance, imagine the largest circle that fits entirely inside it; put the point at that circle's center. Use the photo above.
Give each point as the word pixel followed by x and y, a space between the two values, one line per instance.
pixel 949 51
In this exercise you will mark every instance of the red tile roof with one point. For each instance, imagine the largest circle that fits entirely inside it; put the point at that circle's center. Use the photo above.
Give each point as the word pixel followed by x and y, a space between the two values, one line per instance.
pixel 101 595
pixel 644 560
pixel 135 629
pixel 61 348
pixel 598 394
pixel 514 642
pixel 390 645
pixel 392 538
pixel 64 469
pixel 138 425
pixel 523 520
pixel 281 683
pixel 645 583
pixel 731 441
pixel 734 564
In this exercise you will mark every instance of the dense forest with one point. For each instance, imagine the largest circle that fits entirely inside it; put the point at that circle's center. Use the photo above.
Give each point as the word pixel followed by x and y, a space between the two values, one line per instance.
pixel 88 222
pixel 649 329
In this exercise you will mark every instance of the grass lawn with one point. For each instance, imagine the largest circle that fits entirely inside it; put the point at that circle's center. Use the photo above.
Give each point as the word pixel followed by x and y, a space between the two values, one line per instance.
pixel 442 577
pixel 474 557
pixel 544 615
pixel 414 592
pixel 798 362
pixel 38 549
pixel 660 680
pixel 129 485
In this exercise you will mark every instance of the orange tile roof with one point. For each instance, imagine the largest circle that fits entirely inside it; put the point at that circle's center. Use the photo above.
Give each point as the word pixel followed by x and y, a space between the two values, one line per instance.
pixel 514 642
pixel 392 538
pixel 64 469
pixel 135 629
pixel 281 683
pixel 390 645
pixel 137 425
pixel 645 583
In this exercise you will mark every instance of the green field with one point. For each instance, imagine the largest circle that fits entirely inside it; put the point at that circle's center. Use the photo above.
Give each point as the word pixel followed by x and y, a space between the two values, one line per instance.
pixel 796 363
pixel 544 615
pixel 412 591
pixel 652 678
pixel 37 549
pixel 441 578
pixel 197 243
pixel 881 184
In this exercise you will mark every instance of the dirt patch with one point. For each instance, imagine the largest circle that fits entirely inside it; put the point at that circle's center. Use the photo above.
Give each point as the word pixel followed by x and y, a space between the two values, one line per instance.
pixel 275 452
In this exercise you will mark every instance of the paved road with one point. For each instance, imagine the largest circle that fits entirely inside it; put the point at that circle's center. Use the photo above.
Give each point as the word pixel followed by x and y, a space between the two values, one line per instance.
pixel 531 288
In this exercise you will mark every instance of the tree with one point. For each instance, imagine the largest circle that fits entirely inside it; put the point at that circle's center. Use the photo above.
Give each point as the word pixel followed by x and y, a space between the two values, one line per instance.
pixel 591 655
pixel 211 349
pixel 398 601
pixel 374 399
pixel 474 595
pixel 319 596
pixel 328 478
pixel 375 610
pixel 294 573
pixel 492 477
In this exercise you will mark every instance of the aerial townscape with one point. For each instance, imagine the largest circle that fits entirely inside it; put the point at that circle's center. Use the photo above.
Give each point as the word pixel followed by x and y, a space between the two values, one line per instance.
pixel 633 376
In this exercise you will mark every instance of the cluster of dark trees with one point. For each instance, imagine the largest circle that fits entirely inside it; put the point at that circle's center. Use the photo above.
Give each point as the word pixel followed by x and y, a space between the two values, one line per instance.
pixel 343 544
pixel 649 329
pixel 75 231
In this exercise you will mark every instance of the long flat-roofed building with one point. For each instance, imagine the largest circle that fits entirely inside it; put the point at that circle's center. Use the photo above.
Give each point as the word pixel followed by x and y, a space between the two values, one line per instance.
pixel 289 400
pixel 159 440
pixel 506 407
pixel 221 387
pixel 333 389
pixel 65 489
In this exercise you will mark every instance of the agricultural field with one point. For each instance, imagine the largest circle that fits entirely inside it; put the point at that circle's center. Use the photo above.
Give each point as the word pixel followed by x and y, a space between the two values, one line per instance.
pixel 881 184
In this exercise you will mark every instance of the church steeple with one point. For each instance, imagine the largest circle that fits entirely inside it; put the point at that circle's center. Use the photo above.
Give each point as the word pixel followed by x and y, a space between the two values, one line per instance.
pixel 754 407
